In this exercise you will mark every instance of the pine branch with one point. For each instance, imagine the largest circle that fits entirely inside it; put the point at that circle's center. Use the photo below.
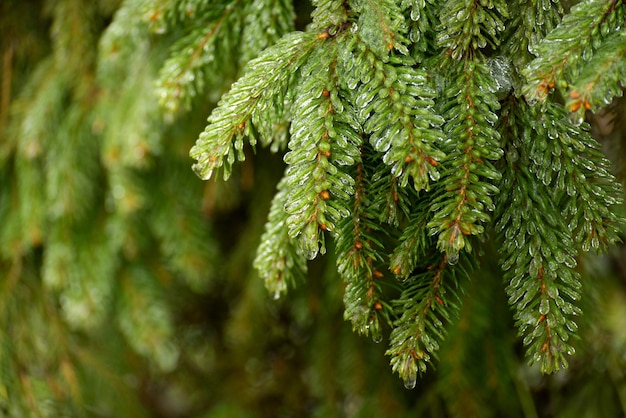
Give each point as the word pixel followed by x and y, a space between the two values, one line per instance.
pixel 601 79
pixel 324 139
pixel 463 202
pixel 359 258
pixel 382 27
pixel 205 49
pixel 539 210
pixel 566 49
pixel 329 15
pixel 414 245
pixel 267 76
pixel 528 26
pixel 264 23
pixel 279 261
pixel 395 103
pixel 469 25
pixel 428 301
pixel 543 284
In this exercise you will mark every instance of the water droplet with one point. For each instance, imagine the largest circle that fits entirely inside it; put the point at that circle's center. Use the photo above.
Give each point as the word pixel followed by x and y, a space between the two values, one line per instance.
pixel 381 143
pixel 415 13
pixel 409 372
pixel 452 257
pixel 434 174
pixel 410 381
pixel 544 306
pixel 512 154
pixel 309 253
pixel 352 82
pixel 532 101
pixel 577 118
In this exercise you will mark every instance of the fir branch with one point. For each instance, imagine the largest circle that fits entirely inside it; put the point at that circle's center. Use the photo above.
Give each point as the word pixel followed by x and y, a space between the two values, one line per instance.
pixel 593 193
pixel 543 284
pixel 601 79
pixel 264 23
pixel 194 55
pixel 414 243
pixel 51 177
pixel 469 25
pixel 425 305
pixel 415 8
pixel 81 276
pixel 279 261
pixel 126 191
pixel 527 27
pixel 567 158
pixel 269 75
pixel 395 104
pixel 125 42
pixel 6 69
pixel 329 15
pixel 323 139
pixel 381 142
pixel 561 54
pixel 359 258
pixel 172 14
pixel 74 37
pixel 463 201
pixel 32 214
pixel 419 20
pixel 27 215
pixel 381 27
pixel 220 38
pixel 538 252
pixel 157 13
pixel 392 200
pixel 132 137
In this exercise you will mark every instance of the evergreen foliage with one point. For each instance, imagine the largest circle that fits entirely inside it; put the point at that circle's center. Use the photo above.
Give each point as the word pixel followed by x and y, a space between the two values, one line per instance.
pixel 437 154
pixel 434 117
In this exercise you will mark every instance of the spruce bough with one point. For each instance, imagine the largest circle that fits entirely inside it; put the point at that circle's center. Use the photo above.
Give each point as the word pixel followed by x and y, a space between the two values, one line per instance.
pixel 415 131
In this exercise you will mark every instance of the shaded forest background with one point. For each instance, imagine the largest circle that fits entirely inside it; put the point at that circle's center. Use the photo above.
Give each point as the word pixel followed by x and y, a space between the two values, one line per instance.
pixel 127 286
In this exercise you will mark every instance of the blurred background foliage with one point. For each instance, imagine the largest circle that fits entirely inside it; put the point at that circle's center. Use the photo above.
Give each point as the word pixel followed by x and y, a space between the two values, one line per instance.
pixel 127 288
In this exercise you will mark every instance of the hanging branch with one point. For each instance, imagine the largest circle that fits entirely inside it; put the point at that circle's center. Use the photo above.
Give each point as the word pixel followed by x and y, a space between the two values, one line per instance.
pixel 399 149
